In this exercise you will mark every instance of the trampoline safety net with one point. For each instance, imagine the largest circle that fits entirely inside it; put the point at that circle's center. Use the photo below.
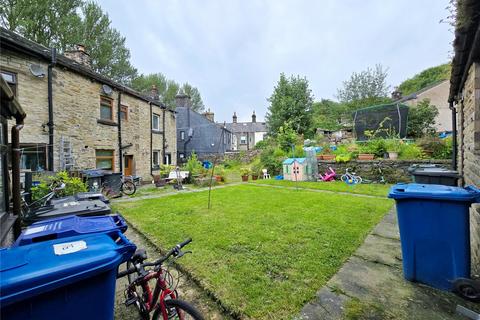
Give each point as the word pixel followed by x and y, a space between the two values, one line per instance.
pixel 381 121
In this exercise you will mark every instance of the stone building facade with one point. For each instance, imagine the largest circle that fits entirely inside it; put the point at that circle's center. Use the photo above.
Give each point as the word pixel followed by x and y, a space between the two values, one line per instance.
pixel 465 98
pixel 246 134
pixel 437 94
pixel 96 122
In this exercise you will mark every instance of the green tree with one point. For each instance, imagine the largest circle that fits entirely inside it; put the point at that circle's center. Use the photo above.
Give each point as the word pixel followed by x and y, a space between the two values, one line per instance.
pixel 167 89
pixel 330 115
pixel 64 23
pixel 421 119
pixel 366 88
pixel 286 136
pixel 425 78
pixel 291 101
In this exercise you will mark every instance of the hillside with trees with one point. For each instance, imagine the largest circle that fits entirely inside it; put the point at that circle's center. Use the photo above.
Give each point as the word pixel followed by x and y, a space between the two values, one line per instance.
pixel 425 78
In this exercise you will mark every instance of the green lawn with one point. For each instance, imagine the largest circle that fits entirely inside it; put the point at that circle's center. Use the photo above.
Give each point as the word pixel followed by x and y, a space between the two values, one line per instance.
pixel 337 186
pixel 264 252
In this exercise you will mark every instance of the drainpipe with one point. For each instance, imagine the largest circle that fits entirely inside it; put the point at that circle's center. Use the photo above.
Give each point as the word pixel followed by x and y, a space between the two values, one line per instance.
pixel 454 135
pixel 151 140
pixel 16 153
pixel 163 136
pixel 119 112
pixel 50 108
pixel 188 133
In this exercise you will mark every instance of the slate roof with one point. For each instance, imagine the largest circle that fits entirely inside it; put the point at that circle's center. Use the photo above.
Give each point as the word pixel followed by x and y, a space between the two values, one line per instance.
pixel 247 127
pixel 14 42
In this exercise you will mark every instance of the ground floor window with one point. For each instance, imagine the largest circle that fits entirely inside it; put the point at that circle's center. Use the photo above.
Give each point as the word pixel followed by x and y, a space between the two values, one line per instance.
pixel 167 159
pixel 156 159
pixel 243 139
pixel 104 159
pixel 33 156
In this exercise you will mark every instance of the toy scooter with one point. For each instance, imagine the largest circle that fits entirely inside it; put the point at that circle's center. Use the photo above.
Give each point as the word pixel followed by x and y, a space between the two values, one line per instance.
pixel 329 175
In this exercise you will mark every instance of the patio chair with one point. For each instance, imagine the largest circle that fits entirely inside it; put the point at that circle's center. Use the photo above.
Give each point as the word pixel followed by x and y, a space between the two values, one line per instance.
pixel 266 175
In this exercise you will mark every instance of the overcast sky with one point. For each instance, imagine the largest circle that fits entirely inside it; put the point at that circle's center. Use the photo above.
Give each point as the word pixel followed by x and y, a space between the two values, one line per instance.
pixel 234 51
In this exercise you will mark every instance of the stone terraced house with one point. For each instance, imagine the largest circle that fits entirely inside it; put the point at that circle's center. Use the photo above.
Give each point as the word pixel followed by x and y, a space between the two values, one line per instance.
pixel 465 101
pixel 78 119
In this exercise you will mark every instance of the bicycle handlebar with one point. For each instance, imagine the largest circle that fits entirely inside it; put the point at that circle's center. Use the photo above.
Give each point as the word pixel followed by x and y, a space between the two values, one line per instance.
pixel 174 251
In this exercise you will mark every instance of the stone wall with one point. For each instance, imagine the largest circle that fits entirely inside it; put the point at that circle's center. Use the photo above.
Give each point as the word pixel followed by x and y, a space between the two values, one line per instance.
pixel 76 100
pixel 244 156
pixel 469 152
pixel 393 170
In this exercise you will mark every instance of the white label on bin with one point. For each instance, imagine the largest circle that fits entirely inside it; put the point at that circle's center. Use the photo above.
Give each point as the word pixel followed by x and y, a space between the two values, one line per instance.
pixel 35 230
pixel 69 247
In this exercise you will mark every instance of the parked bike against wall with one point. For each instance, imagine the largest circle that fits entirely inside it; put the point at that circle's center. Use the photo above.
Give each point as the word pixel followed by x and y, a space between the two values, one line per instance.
pixel 379 179
pixel 163 300
pixel 127 187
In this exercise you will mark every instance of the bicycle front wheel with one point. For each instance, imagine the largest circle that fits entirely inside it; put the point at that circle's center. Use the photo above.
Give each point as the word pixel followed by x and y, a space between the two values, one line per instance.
pixel 128 188
pixel 178 310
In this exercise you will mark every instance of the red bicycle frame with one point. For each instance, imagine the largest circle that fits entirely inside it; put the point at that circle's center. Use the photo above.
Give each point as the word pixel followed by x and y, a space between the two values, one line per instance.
pixel 159 294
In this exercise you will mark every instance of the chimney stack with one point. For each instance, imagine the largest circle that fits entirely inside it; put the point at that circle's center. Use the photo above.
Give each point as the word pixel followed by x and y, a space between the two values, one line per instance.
pixel 254 117
pixel 182 100
pixel 154 93
pixel 234 117
pixel 79 55
pixel 209 115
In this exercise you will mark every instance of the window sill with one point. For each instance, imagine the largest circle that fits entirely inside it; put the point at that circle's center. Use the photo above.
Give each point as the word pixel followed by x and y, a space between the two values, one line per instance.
pixel 157 131
pixel 107 122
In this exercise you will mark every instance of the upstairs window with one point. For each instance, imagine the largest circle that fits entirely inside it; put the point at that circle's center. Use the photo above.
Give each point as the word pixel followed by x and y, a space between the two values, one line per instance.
pixel 106 108
pixel 156 122
pixel 11 79
pixel 182 135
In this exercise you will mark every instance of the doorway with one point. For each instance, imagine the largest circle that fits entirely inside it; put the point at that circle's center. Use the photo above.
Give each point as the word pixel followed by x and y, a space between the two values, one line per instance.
pixel 128 168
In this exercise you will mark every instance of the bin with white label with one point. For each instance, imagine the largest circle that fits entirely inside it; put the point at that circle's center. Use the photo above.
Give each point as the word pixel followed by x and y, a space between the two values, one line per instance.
pixel 67 278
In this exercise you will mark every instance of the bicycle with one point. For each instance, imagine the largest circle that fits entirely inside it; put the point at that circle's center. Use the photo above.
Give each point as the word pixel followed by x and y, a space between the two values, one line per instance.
pixel 379 181
pixel 29 208
pixel 163 300
pixel 350 178
pixel 127 187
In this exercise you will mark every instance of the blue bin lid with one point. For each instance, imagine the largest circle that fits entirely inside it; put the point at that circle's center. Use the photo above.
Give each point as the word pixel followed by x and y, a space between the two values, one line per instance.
pixel 30 270
pixel 70 226
pixel 435 192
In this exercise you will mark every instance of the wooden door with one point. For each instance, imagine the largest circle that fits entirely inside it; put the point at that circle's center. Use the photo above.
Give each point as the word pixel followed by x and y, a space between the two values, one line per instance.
pixel 128 168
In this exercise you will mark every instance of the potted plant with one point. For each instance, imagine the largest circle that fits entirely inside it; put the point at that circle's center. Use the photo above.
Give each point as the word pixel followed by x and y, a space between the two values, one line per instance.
pixel 393 148
pixel 366 152
pixel 244 172
pixel 326 154
pixel 256 171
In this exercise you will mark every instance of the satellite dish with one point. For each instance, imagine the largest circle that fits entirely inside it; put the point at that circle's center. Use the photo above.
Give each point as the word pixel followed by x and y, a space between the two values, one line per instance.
pixel 107 90
pixel 37 70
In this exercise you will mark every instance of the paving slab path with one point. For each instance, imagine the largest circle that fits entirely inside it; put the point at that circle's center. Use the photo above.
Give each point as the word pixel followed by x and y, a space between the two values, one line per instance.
pixel 370 285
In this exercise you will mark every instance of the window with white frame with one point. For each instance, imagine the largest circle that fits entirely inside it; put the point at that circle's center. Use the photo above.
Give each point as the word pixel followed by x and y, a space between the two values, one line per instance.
pixel 243 139
pixel 155 122
pixel 167 159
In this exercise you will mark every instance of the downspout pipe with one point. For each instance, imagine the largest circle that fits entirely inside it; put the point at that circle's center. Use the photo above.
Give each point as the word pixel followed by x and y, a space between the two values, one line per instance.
pixel 151 139
pixel 188 133
pixel 119 113
pixel 163 136
pixel 454 134
pixel 50 123
pixel 16 154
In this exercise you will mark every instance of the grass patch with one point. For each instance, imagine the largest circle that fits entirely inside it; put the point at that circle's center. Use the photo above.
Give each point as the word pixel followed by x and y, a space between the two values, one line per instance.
pixel 337 186
pixel 264 252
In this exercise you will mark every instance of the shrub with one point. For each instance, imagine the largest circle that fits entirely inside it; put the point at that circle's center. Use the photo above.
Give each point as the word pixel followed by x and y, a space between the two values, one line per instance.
pixel 73 185
pixel 194 166
pixel 393 145
pixel 245 171
pixel 435 147
pixel 165 169
pixel 421 119
pixel 271 159
pixel 410 151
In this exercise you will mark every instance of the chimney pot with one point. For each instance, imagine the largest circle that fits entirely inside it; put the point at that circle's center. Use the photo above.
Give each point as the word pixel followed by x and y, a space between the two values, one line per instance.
pixel 154 93
pixel 79 55
pixel 234 117
pixel 254 117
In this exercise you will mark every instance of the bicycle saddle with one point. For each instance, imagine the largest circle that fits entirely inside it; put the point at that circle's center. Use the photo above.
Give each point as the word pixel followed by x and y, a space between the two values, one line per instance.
pixel 139 256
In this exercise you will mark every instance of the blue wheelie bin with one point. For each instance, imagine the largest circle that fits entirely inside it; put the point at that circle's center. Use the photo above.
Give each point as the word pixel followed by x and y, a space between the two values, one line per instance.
pixel 69 278
pixel 434 231
pixel 71 226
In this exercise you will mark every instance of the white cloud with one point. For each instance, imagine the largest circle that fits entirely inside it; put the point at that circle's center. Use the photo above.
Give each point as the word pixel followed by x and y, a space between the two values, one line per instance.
pixel 234 51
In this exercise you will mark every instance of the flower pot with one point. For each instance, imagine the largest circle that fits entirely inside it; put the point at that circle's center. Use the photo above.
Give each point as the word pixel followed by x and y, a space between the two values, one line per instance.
pixel 245 178
pixel 254 177
pixel 366 156
pixel 218 178
pixel 328 157
pixel 393 155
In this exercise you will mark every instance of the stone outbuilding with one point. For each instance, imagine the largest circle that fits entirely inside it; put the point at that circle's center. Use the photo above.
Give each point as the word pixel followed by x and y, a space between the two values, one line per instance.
pixel 464 99
pixel 80 119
